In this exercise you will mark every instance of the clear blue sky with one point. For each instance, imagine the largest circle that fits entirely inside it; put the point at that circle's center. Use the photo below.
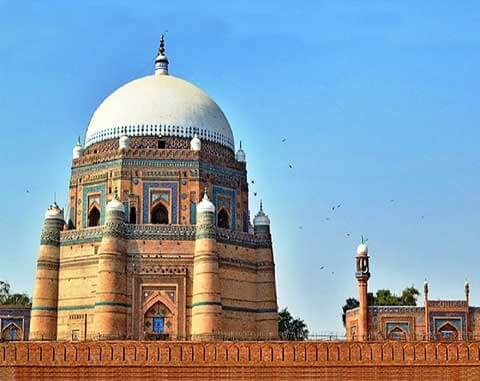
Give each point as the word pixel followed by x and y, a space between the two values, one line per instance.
pixel 378 101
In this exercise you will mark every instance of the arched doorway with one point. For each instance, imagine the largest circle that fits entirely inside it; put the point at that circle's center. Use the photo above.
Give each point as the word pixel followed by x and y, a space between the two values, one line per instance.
pixel 93 217
pixel 159 214
pixel 133 215
pixel 223 219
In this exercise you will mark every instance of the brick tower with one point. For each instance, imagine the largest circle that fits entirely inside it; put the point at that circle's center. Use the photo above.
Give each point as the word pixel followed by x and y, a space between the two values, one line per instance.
pixel 111 294
pixel 206 302
pixel 43 325
pixel 362 274
pixel 267 324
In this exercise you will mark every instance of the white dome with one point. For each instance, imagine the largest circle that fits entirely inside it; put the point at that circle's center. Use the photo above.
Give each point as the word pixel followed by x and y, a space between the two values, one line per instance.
pixel 54 212
pixel 362 249
pixel 261 219
pixel 159 105
pixel 195 144
pixel 115 206
pixel 205 205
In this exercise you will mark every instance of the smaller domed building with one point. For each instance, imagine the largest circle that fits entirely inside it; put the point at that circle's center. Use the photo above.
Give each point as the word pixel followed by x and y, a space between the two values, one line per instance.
pixel 436 320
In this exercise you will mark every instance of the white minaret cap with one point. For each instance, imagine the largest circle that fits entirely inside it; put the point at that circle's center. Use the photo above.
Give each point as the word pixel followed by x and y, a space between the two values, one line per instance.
pixel 362 249
pixel 77 150
pixel 54 212
pixel 115 205
pixel 195 144
pixel 205 205
pixel 240 155
pixel 161 62
pixel 261 219
pixel 123 142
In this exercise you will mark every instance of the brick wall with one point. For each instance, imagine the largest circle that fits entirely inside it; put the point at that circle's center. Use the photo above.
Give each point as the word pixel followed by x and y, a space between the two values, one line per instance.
pixel 240 360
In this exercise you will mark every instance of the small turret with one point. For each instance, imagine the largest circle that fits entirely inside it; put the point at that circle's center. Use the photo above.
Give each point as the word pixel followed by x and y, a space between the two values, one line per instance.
pixel 43 324
pixel 205 206
pixel 195 144
pixel 123 142
pixel 77 150
pixel 240 155
pixel 261 222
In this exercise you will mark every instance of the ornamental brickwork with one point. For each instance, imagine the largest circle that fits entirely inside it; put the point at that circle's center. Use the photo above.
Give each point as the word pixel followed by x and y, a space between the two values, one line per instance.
pixel 240 361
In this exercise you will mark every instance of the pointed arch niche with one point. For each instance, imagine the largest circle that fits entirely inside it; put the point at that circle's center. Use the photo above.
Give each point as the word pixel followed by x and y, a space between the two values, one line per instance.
pixel 159 317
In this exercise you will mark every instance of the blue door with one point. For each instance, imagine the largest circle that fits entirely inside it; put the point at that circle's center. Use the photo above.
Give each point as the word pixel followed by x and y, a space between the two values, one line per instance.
pixel 158 324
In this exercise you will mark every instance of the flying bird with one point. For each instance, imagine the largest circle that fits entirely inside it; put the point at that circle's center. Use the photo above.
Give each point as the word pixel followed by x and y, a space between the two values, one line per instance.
pixel 255 194
pixel 253 181
pixel 284 140
pixel 321 268
pixel 290 166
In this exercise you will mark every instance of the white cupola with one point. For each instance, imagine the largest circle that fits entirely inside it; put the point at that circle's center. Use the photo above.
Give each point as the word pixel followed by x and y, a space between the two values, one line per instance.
pixel 261 219
pixel 195 144
pixel 205 206
pixel 123 142
pixel 240 155
pixel 54 212
pixel 362 249
pixel 77 150
pixel 115 205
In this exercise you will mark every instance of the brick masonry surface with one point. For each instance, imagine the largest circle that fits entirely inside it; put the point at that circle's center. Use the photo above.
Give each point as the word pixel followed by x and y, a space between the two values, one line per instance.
pixel 133 360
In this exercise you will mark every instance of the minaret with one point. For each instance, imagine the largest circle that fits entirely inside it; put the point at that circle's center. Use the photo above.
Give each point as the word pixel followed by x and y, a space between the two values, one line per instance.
pixel 161 62
pixel 43 324
pixel 425 303
pixel 206 301
pixel 467 292
pixel 111 302
pixel 467 308
pixel 362 274
pixel 267 314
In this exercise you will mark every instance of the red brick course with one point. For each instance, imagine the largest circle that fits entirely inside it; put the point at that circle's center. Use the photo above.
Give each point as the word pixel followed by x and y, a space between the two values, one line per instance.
pixel 132 360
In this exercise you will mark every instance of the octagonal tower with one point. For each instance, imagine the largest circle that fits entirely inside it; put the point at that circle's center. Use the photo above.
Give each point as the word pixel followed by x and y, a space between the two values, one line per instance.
pixel 157 143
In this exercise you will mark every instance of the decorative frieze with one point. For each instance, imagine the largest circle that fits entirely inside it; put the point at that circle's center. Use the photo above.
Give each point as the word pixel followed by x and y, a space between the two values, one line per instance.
pixel 50 237
pixel 165 232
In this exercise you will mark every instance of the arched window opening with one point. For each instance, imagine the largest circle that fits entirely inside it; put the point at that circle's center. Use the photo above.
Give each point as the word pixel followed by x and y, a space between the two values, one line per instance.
pixel 448 332
pixel 397 334
pixel 133 215
pixel 12 333
pixel 223 220
pixel 159 214
pixel 94 217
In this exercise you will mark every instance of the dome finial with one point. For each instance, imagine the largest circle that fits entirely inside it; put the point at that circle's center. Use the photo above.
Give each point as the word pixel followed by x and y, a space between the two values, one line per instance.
pixel 161 62
pixel 162 46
